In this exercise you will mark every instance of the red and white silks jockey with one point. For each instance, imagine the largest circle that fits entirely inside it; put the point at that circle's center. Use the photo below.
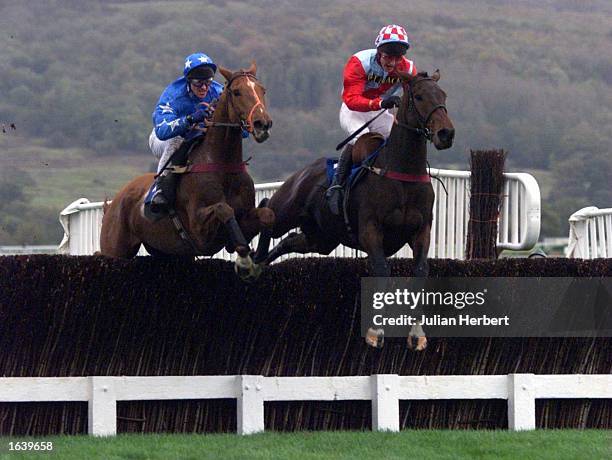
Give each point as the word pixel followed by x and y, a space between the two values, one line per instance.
pixel 371 85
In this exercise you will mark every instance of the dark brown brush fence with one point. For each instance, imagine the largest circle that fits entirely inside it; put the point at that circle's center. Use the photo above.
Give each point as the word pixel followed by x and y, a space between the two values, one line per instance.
pixel 486 187
pixel 81 316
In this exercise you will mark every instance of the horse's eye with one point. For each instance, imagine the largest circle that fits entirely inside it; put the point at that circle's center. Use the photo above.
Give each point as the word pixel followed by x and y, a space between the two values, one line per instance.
pixel 418 97
pixel 236 92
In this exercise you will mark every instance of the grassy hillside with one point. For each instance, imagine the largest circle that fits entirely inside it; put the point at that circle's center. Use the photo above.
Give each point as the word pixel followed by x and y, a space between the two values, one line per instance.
pixel 80 79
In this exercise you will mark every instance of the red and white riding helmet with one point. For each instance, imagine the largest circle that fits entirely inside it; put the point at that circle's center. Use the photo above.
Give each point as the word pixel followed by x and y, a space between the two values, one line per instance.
pixel 392 34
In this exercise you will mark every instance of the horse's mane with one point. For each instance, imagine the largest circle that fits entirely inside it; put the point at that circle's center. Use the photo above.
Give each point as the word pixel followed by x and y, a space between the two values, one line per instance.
pixel 422 74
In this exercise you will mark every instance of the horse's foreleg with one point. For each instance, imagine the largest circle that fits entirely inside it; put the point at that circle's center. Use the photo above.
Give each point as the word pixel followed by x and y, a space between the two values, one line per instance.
pixel 371 240
pixel 293 242
pixel 255 221
pixel 420 249
pixel 238 241
pixel 263 246
pixel 208 227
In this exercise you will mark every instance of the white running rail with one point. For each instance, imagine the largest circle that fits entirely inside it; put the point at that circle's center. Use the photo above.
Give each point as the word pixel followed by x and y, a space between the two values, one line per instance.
pixel 519 221
pixel 590 233
pixel 251 391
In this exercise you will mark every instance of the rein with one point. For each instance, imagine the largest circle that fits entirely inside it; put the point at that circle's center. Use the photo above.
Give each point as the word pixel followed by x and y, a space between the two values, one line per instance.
pixel 247 124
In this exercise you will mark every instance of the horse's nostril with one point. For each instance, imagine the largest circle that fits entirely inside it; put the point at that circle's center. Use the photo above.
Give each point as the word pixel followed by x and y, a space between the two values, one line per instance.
pixel 446 135
pixel 262 125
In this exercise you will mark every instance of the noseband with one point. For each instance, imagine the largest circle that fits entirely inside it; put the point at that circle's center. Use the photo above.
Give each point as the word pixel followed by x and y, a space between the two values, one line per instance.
pixel 423 130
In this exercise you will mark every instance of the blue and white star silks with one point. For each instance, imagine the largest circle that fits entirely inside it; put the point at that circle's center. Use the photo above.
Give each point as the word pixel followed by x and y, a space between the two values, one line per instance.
pixel 177 101
pixel 166 108
pixel 171 124
pixel 195 60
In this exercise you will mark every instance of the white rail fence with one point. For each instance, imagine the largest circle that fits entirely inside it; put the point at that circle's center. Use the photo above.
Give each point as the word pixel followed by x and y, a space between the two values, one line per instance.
pixel 519 221
pixel 590 234
pixel 251 391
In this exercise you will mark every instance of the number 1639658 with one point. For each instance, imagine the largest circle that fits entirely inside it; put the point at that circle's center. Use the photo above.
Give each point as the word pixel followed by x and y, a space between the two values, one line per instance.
pixel 30 445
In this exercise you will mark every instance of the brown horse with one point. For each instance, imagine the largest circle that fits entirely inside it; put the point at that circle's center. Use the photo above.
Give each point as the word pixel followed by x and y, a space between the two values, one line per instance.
pixel 215 199
pixel 390 206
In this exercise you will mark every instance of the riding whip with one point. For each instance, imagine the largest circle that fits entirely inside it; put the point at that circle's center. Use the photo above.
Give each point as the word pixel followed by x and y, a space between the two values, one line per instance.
pixel 348 139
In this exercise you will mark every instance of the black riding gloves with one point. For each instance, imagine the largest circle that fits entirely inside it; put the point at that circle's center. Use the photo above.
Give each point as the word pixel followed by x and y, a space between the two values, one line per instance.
pixel 390 102
pixel 196 117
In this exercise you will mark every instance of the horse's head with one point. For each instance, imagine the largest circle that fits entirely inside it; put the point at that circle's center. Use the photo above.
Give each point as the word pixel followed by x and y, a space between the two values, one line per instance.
pixel 424 107
pixel 246 101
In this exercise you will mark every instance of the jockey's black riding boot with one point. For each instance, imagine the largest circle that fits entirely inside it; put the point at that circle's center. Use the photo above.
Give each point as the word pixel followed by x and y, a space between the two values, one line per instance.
pixel 163 199
pixel 335 193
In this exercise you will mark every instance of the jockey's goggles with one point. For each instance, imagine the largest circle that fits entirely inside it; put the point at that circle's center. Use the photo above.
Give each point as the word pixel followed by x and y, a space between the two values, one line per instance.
pixel 200 83
pixel 388 57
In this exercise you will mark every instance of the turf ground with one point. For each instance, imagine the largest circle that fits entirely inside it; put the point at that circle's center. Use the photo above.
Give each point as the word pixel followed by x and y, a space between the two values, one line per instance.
pixel 425 444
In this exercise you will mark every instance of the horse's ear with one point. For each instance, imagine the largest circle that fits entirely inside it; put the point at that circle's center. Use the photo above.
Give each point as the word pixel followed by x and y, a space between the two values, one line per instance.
pixel 436 75
pixel 405 76
pixel 227 74
pixel 253 69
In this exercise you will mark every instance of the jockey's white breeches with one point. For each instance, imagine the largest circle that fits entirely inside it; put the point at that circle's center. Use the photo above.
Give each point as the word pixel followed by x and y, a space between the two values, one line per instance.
pixel 163 150
pixel 351 121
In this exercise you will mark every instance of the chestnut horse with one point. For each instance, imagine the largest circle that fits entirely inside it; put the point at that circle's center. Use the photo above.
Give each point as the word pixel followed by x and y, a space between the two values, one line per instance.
pixel 391 205
pixel 215 199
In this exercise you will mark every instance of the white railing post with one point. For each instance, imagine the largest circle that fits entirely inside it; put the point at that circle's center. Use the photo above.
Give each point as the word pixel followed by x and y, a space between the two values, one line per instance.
pixel 250 404
pixel 102 410
pixel 385 402
pixel 521 402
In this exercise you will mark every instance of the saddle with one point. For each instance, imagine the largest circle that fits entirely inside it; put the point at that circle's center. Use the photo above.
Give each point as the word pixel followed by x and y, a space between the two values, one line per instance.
pixel 358 171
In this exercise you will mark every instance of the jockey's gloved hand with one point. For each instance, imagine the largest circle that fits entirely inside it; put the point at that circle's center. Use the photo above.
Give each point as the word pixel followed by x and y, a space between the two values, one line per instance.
pixel 197 117
pixel 390 102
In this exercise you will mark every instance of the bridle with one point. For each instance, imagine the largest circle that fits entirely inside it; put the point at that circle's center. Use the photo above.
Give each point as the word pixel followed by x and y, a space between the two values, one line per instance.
pixel 247 124
pixel 423 129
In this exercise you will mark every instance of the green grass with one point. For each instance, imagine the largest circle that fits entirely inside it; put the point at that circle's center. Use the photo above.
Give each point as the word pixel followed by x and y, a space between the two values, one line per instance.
pixel 63 175
pixel 57 188
pixel 540 444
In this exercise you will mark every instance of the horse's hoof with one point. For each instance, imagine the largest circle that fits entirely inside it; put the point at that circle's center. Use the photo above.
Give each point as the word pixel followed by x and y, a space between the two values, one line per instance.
pixel 246 269
pixel 375 337
pixel 421 343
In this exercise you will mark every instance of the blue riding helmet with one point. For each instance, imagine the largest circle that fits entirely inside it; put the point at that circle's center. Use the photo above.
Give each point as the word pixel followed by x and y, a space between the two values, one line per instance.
pixel 195 60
